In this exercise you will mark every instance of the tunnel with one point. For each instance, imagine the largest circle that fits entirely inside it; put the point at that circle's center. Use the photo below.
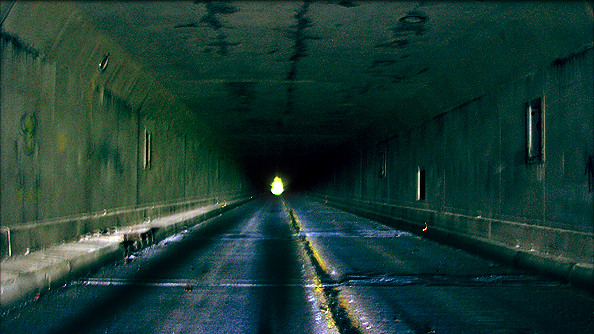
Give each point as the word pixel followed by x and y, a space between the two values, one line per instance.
pixel 432 164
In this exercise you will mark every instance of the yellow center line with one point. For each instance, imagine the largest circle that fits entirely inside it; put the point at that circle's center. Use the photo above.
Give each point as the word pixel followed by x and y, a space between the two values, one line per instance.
pixel 319 291
pixel 318 286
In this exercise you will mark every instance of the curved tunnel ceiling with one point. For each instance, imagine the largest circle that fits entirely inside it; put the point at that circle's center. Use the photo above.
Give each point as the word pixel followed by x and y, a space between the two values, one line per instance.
pixel 282 80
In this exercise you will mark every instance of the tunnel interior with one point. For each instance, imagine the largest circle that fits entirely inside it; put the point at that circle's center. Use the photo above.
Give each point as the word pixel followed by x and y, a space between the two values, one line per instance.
pixel 288 85
pixel 472 118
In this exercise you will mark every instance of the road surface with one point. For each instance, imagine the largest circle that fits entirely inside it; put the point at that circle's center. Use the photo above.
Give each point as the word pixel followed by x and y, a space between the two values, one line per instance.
pixel 291 265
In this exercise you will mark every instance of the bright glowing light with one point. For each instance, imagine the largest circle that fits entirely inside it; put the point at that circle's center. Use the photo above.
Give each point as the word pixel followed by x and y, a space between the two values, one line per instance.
pixel 277 186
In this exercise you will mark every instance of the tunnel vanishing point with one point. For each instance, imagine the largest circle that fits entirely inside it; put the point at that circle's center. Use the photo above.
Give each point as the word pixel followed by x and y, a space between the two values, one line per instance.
pixel 471 123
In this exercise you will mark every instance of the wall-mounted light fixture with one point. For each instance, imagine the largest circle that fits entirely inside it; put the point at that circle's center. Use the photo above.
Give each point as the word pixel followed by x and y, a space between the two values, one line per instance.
pixel 421 184
pixel 103 63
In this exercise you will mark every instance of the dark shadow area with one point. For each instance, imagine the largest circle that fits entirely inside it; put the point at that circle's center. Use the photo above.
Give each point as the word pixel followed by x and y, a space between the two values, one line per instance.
pixel 109 305
pixel 280 267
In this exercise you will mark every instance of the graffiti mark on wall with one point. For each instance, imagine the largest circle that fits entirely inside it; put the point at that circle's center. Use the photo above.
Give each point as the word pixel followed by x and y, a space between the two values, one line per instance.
pixel 28 129
pixel 30 194
pixel 61 143
pixel 28 185
pixel 110 156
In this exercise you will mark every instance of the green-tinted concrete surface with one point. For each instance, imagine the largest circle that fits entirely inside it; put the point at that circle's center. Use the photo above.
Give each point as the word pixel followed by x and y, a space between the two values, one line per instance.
pixel 24 276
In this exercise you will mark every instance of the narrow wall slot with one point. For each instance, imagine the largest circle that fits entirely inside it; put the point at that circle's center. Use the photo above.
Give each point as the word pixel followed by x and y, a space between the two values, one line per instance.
pixel 421 187
pixel 218 169
pixel 146 163
pixel 383 160
pixel 534 132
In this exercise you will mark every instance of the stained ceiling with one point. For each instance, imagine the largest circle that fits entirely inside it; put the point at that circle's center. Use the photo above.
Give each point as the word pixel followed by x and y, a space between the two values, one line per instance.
pixel 285 81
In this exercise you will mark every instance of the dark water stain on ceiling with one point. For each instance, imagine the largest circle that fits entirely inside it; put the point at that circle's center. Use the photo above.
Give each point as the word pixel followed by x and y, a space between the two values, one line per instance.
pixel 244 93
pixel 390 65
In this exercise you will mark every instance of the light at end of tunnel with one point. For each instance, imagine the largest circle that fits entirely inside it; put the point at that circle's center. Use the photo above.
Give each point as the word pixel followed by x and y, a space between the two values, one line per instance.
pixel 277 186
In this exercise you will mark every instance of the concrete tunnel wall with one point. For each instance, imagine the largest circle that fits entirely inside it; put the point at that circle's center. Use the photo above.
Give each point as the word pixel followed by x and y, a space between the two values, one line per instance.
pixel 479 187
pixel 74 136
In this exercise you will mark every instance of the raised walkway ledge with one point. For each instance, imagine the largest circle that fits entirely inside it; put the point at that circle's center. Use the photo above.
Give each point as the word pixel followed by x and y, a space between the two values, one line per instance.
pixel 578 272
pixel 23 277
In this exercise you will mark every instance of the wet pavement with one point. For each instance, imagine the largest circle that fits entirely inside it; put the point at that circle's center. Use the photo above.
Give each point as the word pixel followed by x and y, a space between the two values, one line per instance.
pixel 302 267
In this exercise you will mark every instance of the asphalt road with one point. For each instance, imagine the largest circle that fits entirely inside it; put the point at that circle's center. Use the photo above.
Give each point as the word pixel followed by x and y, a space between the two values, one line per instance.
pixel 302 267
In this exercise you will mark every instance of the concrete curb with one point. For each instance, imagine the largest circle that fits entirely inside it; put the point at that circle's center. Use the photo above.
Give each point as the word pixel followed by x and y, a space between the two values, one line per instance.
pixel 580 275
pixel 36 235
pixel 26 276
